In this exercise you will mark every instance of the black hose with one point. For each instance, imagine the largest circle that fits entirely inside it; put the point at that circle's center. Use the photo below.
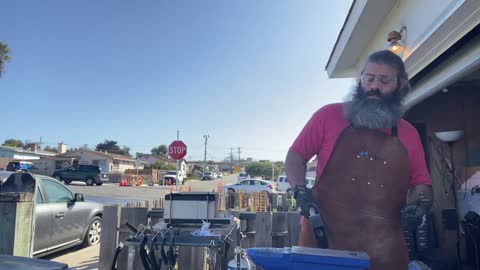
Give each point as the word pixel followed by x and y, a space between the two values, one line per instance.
pixel 151 255
pixel 143 254
pixel 115 256
pixel 162 252
pixel 171 257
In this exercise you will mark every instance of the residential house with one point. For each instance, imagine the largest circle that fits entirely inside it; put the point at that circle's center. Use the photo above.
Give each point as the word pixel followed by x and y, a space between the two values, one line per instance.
pixel 108 162
pixel 439 41
pixel 149 160
pixel 152 159
pixel 8 153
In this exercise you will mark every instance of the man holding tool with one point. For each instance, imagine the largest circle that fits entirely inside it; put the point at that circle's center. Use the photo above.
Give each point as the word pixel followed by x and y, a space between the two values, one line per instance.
pixel 369 160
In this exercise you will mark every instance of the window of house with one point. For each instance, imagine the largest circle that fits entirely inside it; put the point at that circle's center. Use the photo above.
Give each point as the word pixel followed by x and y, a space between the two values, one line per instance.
pixel 95 162
pixel 116 165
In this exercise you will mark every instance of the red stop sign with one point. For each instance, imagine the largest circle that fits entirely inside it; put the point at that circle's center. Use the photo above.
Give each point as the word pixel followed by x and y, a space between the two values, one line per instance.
pixel 177 150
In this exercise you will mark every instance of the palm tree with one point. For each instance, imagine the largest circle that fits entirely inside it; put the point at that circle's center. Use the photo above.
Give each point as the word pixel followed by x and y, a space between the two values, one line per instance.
pixel 3 57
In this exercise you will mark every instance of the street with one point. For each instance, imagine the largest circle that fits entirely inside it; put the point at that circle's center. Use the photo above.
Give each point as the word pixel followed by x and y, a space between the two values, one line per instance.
pixel 112 193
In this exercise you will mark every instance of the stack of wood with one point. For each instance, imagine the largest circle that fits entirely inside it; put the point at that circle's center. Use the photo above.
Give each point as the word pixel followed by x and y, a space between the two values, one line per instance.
pixel 242 200
pixel 261 201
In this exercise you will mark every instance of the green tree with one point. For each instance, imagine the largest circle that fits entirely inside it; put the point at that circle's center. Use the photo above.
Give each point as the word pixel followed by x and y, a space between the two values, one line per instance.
pixel 4 51
pixel 50 149
pixel 163 166
pixel 262 169
pixel 13 143
pixel 113 148
pixel 160 150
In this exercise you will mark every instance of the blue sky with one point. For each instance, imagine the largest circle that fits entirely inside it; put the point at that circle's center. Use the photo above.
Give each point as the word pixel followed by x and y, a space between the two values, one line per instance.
pixel 248 73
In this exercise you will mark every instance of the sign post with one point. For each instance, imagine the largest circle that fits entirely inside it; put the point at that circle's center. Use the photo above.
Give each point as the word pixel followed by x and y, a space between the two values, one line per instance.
pixel 177 150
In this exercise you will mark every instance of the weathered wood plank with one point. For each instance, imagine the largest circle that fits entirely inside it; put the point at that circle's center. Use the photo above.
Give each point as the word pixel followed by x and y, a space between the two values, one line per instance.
pixel 135 216
pixel 17 218
pixel 293 228
pixel 263 236
pixel 279 229
pixel 108 241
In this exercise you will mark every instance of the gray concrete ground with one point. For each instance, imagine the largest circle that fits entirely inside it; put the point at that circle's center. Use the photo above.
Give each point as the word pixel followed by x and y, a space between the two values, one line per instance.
pixel 78 258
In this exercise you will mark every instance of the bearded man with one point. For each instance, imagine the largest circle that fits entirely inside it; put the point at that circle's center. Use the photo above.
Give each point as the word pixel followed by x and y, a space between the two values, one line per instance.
pixel 371 172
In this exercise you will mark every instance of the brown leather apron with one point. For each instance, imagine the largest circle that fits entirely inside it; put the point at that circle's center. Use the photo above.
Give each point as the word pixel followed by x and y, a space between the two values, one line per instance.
pixel 360 194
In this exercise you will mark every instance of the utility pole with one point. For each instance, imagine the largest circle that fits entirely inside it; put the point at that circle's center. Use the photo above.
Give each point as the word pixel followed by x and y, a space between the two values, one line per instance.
pixel 205 153
pixel 231 158
pixel 239 151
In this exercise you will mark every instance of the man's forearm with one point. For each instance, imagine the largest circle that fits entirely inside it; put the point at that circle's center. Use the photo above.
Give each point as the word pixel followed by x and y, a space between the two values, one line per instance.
pixel 295 168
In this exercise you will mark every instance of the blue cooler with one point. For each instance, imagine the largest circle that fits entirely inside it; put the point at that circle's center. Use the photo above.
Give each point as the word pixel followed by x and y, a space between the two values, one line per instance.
pixel 302 258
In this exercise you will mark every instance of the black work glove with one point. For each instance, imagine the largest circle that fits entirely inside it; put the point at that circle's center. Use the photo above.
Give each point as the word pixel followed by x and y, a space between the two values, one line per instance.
pixel 304 198
pixel 412 214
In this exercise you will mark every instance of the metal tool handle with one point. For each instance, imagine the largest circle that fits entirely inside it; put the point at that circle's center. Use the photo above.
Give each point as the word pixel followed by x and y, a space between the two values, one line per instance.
pixel 318 226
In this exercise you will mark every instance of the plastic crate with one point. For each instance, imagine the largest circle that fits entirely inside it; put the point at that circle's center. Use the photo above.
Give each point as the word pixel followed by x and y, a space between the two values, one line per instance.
pixel 301 258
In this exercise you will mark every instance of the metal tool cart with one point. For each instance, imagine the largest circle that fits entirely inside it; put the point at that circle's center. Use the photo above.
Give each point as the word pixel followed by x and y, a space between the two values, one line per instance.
pixel 157 246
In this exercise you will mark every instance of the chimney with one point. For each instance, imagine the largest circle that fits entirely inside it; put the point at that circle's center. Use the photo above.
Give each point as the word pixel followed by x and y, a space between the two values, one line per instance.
pixel 62 148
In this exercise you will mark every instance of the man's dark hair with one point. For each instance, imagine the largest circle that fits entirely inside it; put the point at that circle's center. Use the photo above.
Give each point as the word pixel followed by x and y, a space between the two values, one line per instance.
pixel 389 58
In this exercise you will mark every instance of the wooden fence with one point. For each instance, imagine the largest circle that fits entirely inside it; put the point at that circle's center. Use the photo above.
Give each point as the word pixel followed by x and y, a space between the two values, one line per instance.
pixel 259 229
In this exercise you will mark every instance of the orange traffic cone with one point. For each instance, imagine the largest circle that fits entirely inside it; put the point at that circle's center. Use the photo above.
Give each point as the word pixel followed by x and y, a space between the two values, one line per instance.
pixel 189 188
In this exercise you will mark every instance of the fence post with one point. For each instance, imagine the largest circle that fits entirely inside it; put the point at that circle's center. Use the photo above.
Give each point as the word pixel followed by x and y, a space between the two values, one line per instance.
pixel 293 228
pixel 279 229
pixel 17 218
pixel 263 235
pixel 108 241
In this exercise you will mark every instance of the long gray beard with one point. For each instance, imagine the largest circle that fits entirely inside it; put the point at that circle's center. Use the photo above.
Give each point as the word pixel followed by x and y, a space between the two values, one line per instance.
pixel 373 114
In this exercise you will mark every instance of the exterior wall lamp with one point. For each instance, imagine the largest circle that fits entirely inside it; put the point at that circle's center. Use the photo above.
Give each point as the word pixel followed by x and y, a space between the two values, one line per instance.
pixel 396 44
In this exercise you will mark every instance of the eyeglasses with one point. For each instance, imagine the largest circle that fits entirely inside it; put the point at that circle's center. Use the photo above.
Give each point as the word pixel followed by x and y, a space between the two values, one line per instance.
pixel 369 78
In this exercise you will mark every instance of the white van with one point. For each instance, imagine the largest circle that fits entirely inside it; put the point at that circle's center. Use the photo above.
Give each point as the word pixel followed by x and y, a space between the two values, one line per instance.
pixel 283 185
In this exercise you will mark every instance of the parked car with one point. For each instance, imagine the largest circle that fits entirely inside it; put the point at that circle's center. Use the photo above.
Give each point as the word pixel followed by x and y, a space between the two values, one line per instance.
pixel 208 176
pixel 90 174
pixel 250 186
pixel 220 175
pixel 63 219
pixel 172 176
pixel 24 166
pixel 282 183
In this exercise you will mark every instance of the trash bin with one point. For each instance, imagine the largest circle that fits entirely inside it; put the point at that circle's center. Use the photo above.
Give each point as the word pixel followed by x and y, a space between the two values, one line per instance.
pixel 302 258
pixel 20 263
